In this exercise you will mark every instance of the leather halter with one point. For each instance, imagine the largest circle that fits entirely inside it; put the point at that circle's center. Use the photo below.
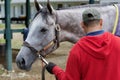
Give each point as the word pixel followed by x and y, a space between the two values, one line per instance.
pixel 55 43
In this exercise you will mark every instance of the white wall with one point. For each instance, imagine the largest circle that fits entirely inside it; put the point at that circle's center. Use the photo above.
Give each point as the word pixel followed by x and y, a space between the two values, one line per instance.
pixel 16 7
pixel 2 11
pixel 109 1
pixel 15 10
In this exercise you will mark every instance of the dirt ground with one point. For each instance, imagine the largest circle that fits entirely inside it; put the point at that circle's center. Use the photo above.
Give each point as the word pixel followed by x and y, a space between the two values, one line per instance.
pixel 59 57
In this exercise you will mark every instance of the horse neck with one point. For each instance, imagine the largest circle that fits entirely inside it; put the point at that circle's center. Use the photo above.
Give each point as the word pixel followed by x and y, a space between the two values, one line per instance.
pixel 69 22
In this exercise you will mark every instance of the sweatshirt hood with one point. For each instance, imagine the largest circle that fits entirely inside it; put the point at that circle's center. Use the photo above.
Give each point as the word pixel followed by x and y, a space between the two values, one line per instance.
pixel 98 46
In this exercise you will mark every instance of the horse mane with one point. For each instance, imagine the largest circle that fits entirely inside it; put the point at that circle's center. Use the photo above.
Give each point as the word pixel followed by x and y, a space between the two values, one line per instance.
pixel 88 5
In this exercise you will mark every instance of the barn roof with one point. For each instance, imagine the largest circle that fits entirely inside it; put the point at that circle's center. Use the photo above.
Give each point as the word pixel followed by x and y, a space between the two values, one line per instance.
pixel 23 1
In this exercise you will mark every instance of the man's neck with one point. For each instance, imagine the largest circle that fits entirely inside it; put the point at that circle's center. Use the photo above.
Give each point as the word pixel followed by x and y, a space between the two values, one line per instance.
pixel 93 29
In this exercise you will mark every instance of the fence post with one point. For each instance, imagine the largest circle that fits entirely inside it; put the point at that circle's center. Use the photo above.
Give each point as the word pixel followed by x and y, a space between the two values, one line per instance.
pixel 91 1
pixel 8 36
pixel 27 21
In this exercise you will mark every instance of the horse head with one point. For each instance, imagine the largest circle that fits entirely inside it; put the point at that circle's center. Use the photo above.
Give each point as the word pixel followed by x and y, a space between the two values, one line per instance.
pixel 43 37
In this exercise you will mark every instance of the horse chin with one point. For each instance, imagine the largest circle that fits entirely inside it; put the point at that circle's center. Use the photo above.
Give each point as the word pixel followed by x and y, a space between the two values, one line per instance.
pixel 26 68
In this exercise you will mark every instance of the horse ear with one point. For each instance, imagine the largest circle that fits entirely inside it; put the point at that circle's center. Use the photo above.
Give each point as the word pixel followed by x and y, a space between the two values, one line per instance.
pixel 50 8
pixel 37 5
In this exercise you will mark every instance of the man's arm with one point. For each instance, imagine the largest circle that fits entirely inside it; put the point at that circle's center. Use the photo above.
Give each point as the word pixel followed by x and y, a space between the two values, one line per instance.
pixel 72 71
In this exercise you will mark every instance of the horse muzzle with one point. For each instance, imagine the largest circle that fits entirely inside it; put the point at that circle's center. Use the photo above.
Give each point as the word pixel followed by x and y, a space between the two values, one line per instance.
pixel 21 64
pixel 25 58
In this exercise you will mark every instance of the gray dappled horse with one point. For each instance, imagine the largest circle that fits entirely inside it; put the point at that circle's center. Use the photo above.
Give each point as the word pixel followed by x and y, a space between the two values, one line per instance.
pixel 45 34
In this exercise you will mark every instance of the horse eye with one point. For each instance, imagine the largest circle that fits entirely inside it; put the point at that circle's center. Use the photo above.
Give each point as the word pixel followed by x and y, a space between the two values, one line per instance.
pixel 43 30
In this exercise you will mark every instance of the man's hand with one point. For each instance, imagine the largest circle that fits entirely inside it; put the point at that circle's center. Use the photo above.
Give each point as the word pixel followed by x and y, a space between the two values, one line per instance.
pixel 50 66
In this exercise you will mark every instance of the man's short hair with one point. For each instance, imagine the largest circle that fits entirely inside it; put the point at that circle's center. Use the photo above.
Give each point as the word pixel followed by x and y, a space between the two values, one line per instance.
pixel 91 22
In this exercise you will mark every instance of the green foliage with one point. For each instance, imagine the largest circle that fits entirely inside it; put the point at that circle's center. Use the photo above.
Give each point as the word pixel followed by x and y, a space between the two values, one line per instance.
pixel 2 26
pixel 2 40
pixel 17 39
pixel 1 71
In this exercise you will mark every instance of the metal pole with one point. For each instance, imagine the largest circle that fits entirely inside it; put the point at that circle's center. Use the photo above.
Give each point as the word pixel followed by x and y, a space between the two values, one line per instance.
pixel 91 1
pixel 27 13
pixel 8 36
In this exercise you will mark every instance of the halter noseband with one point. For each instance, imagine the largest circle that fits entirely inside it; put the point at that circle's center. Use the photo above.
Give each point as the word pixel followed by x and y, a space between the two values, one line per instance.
pixel 55 43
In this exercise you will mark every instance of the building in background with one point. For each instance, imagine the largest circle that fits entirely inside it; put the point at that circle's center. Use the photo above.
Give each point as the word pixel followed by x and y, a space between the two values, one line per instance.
pixel 109 1
pixel 18 8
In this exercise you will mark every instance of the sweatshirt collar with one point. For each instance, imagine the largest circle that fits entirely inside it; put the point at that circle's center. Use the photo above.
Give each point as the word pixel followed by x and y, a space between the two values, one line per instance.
pixel 95 33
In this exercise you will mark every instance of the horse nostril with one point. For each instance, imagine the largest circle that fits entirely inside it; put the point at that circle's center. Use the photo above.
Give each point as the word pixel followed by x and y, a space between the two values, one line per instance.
pixel 23 61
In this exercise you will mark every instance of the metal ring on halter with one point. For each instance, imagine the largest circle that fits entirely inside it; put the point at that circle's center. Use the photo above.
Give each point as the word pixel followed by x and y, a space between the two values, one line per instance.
pixel 58 27
pixel 43 59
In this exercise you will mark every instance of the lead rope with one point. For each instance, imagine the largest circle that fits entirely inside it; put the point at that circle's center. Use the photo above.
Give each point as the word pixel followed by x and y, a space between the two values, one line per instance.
pixel 116 20
pixel 43 67
pixel 43 72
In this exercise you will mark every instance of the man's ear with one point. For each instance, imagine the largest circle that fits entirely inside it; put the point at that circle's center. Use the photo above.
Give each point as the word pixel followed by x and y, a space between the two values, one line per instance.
pixel 101 22
pixel 82 24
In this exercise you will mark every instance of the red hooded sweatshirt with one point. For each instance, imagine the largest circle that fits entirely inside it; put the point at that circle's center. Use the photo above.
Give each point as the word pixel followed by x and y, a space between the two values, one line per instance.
pixel 93 58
